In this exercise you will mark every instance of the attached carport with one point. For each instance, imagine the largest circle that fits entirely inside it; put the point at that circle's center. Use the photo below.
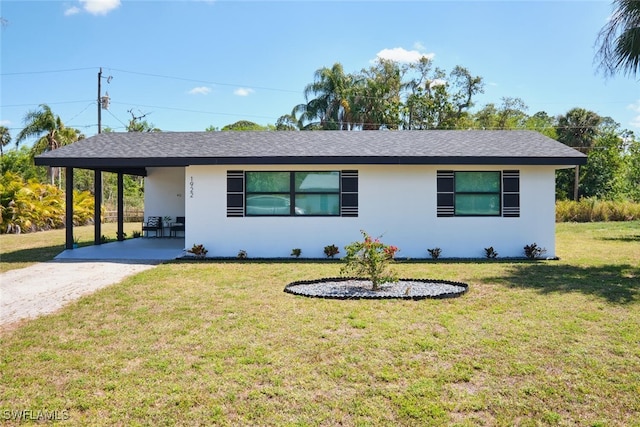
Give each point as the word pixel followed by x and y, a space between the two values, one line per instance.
pixel 98 165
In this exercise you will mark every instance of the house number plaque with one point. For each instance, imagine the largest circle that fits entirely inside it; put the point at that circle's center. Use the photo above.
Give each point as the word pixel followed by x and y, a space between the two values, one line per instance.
pixel 191 188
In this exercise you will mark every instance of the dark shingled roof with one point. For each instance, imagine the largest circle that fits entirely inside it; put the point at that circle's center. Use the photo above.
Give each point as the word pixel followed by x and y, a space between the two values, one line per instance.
pixel 119 151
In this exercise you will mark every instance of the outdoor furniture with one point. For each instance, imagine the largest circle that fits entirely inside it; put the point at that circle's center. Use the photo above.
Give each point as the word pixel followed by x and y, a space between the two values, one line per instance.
pixel 177 226
pixel 154 223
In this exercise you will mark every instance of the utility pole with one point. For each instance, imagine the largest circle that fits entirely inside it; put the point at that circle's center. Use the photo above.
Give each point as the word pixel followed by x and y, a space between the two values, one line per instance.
pixel 99 102
pixel 103 101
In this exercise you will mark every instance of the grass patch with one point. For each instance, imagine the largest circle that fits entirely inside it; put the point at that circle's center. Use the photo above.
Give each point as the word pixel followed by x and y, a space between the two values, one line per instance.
pixel 22 250
pixel 220 343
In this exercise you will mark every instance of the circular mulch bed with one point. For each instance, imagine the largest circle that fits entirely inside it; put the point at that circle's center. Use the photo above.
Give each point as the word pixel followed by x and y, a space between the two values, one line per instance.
pixel 358 288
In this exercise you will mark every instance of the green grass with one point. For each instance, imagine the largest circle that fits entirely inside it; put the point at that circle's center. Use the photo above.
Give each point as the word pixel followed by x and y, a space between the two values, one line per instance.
pixel 22 250
pixel 220 343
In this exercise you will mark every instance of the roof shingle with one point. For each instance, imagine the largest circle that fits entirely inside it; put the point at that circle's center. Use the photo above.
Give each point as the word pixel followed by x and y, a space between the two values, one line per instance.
pixel 118 150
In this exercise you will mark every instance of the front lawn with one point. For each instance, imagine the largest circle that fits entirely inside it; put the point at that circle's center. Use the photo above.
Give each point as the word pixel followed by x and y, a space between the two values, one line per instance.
pixel 220 343
pixel 22 250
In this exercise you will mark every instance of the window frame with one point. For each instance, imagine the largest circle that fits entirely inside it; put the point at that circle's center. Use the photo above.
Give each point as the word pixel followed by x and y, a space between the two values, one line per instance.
pixel 292 193
pixel 496 193
pixel 509 193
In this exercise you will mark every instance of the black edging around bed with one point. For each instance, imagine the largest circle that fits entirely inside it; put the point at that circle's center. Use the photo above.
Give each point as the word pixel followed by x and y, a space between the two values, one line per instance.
pixel 401 289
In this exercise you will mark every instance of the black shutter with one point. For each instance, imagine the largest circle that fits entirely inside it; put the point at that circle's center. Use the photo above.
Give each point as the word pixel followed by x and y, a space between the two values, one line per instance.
pixel 511 193
pixel 349 193
pixel 445 193
pixel 235 193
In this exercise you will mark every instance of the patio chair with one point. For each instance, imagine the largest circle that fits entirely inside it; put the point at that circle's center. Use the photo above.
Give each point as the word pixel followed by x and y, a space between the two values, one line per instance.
pixel 177 226
pixel 154 223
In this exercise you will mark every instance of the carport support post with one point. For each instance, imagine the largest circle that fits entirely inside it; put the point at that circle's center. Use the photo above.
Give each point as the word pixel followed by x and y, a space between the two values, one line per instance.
pixel 97 210
pixel 69 207
pixel 120 207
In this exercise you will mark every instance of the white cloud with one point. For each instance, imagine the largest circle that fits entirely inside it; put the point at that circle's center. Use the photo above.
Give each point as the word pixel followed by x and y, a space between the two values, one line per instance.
pixel 635 107
pixel 99 7
pixel 438 82
pixel 243 91
pixel 200 90
pixel 402 55
pixel 73 10
pixel 5 123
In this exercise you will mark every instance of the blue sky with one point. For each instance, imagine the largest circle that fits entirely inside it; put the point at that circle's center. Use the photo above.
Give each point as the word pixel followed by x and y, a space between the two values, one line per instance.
pixel 188 65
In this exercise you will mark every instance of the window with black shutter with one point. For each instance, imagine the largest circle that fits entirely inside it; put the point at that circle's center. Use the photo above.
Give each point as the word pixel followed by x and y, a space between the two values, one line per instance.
pixel 478 193
pixel 292 193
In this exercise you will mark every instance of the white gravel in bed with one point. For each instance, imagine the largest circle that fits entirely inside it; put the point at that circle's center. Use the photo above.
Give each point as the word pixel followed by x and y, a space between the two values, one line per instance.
pixel 359 288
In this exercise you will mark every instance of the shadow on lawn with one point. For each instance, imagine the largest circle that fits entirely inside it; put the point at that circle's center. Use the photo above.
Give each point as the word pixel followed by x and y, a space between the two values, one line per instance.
pixel 32 255
pixel 627 238
pixel 615 283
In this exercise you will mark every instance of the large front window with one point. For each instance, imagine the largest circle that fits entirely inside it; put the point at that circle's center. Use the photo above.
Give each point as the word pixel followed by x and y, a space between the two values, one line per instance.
pixel 292 193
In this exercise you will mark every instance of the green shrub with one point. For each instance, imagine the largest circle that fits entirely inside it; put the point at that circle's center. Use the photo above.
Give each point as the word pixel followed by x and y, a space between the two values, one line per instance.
pixel 331 250
pixel 33 206
pixel 533 251
pixel 199 251
pixel 591 209
pixel 370 258
pixel 434 252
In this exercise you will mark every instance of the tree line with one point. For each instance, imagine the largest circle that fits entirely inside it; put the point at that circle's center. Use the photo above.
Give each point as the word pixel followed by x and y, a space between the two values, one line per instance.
pixel 386 96
pixel 389 96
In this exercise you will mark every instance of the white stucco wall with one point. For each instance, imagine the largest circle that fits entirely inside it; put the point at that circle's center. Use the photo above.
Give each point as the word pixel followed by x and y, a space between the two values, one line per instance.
pixel 164 192
pixel 396 201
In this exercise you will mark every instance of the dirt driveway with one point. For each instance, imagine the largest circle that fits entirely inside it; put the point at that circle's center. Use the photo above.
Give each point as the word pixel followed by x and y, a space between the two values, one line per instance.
pixel 46 287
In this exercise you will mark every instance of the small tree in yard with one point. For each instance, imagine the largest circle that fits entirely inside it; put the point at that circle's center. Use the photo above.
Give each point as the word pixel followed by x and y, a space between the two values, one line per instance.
pixel 370 258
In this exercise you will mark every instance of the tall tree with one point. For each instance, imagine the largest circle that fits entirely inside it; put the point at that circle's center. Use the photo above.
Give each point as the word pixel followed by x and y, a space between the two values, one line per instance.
pixel 466 87
pixel 287 122
pixel 5 138
pixel 50 132
pixel 578 129
pixel 244 125
pixel 619 40
pixel 511 114
pixel 327 99
pixel 631 166
pixel 438 101
pixel 543 123
pixel 602 175
pixel 375 97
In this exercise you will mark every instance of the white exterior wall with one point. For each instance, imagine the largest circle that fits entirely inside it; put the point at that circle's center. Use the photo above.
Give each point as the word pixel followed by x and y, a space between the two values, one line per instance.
pixel 396 201
pixel 164 190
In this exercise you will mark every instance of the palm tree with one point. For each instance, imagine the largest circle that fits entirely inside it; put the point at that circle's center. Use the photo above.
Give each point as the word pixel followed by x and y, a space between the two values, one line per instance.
pixel 5 138
pixel 619 40
pixel 331 105
pixel 49 130
pixel 578 129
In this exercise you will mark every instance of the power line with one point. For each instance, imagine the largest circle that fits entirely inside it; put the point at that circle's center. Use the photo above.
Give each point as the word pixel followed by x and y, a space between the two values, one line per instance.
pixel 114 116
pixel 186 110
pixel 18 73
pixel 48 103
pixel 203 81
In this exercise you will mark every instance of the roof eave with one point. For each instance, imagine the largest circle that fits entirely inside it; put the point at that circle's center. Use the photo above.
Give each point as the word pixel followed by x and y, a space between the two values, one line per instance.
pixel 121 163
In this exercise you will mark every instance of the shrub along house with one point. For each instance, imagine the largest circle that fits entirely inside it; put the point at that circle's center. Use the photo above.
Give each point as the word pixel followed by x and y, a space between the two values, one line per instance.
pixel 269 192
